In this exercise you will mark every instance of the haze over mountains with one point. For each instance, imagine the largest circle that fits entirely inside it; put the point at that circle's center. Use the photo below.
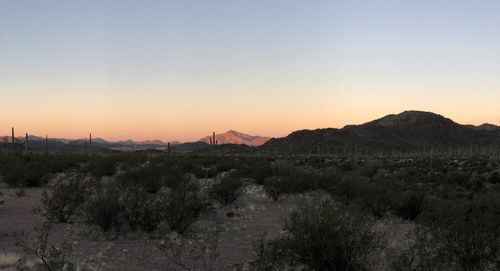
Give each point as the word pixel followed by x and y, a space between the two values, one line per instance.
pixel 407 131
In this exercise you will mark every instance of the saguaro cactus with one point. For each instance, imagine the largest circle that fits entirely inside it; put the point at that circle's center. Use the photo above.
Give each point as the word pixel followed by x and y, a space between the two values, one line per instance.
pixel 90 143
pixel 13 138
pixel 213 142
pixel 26 147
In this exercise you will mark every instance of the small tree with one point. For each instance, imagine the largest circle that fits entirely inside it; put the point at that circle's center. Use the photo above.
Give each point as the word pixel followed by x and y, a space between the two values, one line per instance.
pixel 64 197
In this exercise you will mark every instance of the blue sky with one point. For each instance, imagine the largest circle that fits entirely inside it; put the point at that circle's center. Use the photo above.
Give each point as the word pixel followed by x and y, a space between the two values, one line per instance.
pixel 180 69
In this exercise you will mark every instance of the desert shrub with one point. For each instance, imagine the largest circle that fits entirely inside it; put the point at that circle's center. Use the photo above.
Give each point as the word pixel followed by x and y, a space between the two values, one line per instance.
pixel 411 205
pixel 270 255
pixel 100 166
pixel 377 198
pixel 494 178
pixel 202 172
pixel 149 177
pixel 183 206
pixel 275 186
pixel 261 171
pixel 141 210
pixel 347 165
pixel 49 256
pixel 104 211
pixel 324 236
pixel 419 254
pixel 457 177
pixel 349 188
pixel 64 197
pixel 34 169
pixel 370 168
pixel 466 233
pixel 227 189
pixel 25 172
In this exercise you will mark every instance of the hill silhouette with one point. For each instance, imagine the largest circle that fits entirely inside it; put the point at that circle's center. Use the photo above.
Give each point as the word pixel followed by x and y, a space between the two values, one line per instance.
pixel 407 131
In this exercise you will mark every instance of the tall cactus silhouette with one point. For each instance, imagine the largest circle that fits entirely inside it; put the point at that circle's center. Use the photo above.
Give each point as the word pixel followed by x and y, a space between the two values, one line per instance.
pixel 26 146
pixel 13 138
pixel 213 142
pixel 90 143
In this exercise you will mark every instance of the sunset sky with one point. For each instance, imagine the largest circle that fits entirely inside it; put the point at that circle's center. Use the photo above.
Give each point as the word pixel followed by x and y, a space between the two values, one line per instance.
pixel 177 70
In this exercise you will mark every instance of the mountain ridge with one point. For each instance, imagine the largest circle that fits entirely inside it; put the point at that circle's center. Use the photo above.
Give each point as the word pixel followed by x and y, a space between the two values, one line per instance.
pixel 408 130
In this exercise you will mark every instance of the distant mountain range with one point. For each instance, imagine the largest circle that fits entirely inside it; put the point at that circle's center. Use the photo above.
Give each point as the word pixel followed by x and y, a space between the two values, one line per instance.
pixel 410 130
pixel 230 137
pixel 407 131
pixel 233 137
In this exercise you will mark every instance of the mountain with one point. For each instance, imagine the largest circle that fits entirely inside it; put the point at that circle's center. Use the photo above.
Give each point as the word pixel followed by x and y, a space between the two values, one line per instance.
pixel 485 127
pixel 409 130
pixel 234 137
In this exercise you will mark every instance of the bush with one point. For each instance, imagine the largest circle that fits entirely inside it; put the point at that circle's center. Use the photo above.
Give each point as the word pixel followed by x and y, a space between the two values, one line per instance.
pixel 274 187
pixel 151 178
pixel 104 211
pixel 349 188
pixel 412 205
pixel 377 198
pixel 64 197
pixel 420 253
pixel 323 236
pixel 141 210
pixel 100 166
pixel 183 206
pixel 466 234
pixel 270 255
pixel 227 189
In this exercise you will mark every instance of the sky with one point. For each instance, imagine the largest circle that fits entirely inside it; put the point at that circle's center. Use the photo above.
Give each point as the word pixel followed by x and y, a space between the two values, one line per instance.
pixel 178 70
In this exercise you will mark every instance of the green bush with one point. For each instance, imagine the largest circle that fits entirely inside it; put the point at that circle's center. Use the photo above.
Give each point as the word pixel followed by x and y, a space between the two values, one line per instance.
pixel 64 197
pixel 466 234
pixel 275 186
pixel 149 177
pixel 141 210
pixel 322 236
pixel 100 166
pixel 104 211
pixel 227 189
pixel 183 206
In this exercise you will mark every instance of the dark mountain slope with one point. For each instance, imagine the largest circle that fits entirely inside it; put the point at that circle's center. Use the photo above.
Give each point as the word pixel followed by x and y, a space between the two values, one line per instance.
pixel 410 130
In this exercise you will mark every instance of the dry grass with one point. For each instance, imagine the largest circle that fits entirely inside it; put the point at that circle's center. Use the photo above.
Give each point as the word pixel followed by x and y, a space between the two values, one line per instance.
pixel 8 260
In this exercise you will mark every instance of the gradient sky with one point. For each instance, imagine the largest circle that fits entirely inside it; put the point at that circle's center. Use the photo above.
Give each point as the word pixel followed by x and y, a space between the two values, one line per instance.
pixel 177 70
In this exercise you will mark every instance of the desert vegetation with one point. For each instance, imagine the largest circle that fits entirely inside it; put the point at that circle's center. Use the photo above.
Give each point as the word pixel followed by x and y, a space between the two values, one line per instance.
pixel 416 212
